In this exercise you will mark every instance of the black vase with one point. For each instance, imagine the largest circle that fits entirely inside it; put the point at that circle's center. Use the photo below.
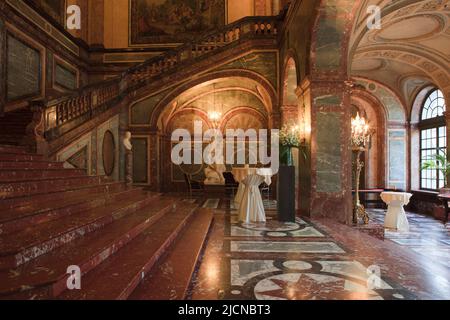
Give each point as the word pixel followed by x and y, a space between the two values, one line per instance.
pixel 286 194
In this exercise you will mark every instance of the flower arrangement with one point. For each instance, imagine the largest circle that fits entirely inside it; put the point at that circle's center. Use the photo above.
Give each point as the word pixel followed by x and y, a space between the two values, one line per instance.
pixel 290 136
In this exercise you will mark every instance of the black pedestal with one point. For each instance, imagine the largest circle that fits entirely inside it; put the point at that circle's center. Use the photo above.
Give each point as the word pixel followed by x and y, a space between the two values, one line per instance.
pixel 286 194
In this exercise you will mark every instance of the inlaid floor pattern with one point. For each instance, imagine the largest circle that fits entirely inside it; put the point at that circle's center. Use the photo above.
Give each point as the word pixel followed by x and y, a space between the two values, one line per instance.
pixel 294 260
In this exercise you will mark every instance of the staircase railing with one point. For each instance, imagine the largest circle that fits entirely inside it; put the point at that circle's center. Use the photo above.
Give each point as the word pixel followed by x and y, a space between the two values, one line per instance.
pixel 90 100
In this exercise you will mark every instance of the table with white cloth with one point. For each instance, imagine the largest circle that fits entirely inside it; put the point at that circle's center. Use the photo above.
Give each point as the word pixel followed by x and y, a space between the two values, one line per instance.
pixel 248 199
pixel 396 216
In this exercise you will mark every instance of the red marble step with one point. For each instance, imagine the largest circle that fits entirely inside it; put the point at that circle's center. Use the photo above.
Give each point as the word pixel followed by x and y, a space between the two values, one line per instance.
pixel 12 149
pixel 11 139
pixel 7 175
pixel 20 157
pixel 19 189
pixel 117 277
pixel 36 201
pixel 45 277
pixel 13 129
pixel 19 248
pixel 31 165
pixel 170 279
pixel 20 218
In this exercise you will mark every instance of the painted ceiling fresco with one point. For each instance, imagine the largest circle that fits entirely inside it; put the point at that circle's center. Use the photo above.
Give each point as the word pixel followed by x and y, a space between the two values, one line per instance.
pixel 411 50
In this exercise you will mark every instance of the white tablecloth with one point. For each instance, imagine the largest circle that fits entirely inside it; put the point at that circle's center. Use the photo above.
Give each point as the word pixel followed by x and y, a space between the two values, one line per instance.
pixel 396 216
pixel 248 198
pixel 251 208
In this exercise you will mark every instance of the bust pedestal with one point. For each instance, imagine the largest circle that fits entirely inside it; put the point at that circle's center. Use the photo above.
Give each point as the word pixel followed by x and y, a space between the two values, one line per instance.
pixel 129 167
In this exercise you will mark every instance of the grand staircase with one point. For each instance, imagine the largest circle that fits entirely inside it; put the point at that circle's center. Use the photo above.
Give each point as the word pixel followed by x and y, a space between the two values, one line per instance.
pixel 127 242
pixel 52 218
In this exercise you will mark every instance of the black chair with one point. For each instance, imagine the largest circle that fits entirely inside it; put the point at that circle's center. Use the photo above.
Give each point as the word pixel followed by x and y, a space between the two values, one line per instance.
pixel 193 185
pixel 230 183
pixel 265 188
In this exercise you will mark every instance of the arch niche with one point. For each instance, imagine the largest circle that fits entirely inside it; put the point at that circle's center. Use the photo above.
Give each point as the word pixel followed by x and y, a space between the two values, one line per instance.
pixel 244 100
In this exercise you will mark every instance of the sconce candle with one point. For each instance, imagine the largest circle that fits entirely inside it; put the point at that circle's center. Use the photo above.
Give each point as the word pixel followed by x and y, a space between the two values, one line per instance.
pixel 360 138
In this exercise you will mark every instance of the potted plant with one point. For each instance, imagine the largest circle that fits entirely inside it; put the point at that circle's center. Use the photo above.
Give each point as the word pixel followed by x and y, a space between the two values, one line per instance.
pixel 438 162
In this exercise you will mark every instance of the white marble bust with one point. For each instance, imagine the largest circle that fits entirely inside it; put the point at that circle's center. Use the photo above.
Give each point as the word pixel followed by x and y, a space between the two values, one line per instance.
pixel 127 141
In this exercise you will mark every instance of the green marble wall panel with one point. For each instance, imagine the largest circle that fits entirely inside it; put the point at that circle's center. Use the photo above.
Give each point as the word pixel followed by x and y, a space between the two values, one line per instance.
pixel 391 103
pixel 141 112
pixel 82 148
pixel 264 63
pixel 65 77
pixel 329 157
pixel 329 38
pixel 327 100
pixel 140 160
pixel 397 159
pixel 23 70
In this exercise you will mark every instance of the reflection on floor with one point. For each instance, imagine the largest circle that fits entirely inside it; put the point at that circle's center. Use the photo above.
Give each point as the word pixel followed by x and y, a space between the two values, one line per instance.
pixel 308 260
pixel 427 236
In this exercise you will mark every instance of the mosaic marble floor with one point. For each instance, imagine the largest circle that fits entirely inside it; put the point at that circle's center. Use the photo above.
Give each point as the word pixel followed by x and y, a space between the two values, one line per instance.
pixel 306 260
pixel 427 236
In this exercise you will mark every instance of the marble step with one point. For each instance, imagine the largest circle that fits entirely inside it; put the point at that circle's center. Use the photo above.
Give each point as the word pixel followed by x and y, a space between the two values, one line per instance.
pixel 21 157
pixel 7 175
pixel 12 149
pixel 171 278
pixel 13 129
pixel 19 248
pixel 21 218
pixel 11 139
pixel 11 164
pixel 20 189
pixel 45 277
pixel 117 277
pixel 37 201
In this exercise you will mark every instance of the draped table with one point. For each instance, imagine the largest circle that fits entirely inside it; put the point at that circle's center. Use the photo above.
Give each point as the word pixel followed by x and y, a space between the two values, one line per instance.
pixel 396 216
pixel 248 199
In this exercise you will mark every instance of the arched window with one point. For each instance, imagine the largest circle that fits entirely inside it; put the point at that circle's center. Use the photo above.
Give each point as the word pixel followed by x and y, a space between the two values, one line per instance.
pixel 433 138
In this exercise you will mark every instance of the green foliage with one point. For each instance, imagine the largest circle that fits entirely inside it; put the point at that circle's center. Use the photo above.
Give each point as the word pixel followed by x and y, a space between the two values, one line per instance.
pixel 438 162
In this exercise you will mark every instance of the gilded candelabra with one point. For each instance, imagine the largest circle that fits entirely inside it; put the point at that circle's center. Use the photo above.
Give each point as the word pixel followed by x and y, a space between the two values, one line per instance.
pixel 360 138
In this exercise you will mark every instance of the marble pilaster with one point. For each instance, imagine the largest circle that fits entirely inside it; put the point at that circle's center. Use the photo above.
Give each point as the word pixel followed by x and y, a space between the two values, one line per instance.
pixel 327 172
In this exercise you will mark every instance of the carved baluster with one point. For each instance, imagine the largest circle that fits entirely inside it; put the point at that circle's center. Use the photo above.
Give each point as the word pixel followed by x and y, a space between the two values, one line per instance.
pixel 82 105
pixel 75 107
pixel 66 111
pixel 59 114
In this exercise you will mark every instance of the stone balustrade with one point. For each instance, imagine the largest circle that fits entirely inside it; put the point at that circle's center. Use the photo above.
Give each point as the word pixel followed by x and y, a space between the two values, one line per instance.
pixel 95 98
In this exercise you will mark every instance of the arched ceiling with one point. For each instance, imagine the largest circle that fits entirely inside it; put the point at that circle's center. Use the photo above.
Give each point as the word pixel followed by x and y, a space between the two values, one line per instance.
pixel 411 50
pixel 222 95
